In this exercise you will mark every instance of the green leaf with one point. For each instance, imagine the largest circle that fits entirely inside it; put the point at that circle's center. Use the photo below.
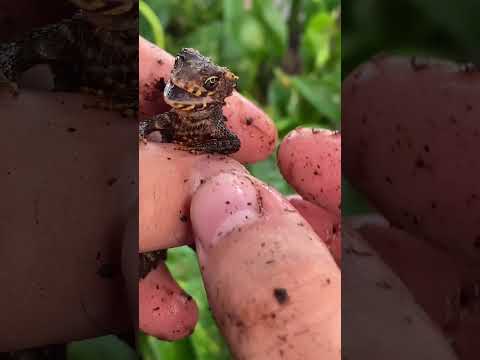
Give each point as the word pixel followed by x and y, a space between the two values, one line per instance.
pixel 252 35
pixel 154 349
pixel 268 172
pixel 206 39
pixel 100 348
pixel 274 23
pixel 353 203
pixel 317 37
pixel 206 339
pixel 154 22
pixel 320 96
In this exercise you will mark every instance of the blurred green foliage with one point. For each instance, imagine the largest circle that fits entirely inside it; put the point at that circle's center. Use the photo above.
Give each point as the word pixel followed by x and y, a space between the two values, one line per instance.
pixel 287 54
pixel 100 348
pixel 444 29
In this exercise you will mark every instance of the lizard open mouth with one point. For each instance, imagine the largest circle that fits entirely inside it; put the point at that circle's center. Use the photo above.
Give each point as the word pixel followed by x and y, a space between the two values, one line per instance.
pixel 181 99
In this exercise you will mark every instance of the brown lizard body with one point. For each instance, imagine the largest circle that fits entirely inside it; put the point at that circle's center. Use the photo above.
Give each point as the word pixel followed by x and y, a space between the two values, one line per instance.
pixel 196 92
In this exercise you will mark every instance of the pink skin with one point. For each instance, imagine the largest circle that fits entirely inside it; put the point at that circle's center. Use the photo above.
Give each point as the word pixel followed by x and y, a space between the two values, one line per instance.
pixel 169 177
pixel 421 168
pixel 180 179
pixel 310 161
pixel 406 254
pixel 164 302
pixel 421 171
pixel 326 225
pixel 251 241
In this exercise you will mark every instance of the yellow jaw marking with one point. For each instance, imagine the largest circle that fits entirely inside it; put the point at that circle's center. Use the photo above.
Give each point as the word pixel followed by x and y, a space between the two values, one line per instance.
pixel 189 108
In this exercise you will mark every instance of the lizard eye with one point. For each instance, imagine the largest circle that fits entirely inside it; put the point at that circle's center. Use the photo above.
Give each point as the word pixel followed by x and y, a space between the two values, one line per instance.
pixel 211 83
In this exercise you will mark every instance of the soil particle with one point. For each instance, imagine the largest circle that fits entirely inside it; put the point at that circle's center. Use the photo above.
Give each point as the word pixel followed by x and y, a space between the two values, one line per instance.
pixel 111 181
pixel 108 271
pixel 150 260
pixel 281 295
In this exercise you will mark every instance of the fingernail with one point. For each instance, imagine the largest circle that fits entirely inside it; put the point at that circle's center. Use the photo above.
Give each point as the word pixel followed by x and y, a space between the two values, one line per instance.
pixel 225 203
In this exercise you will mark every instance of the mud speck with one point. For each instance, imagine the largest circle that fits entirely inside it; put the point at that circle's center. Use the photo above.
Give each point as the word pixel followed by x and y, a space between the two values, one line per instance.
pixel 111 181
pixel 108 270
pixel 383 285
pixel 281 295
pixel 150 260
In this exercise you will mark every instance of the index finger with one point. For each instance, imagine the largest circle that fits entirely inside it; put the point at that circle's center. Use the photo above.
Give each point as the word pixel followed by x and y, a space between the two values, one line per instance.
pixel 255 129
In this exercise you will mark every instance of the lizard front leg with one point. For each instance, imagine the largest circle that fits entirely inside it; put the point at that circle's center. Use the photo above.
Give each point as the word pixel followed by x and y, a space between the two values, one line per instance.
pixel 163 123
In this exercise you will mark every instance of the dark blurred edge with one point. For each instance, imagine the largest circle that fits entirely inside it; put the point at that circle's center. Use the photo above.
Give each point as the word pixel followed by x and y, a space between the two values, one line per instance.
pixel 17 18
pixel 441 29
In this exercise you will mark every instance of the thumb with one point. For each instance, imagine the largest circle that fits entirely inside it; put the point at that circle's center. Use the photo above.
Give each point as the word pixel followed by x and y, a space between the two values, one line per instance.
pixel 272 285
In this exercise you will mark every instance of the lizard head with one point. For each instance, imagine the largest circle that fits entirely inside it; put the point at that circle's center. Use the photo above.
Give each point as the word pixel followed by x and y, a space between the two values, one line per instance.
pixel 106 7
pixel 197 83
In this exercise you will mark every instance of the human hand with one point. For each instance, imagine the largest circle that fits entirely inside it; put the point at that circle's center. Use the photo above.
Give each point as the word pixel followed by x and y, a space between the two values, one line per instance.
pixel 422 173
pixel 168 178
pixel 272 283
pixel 309 159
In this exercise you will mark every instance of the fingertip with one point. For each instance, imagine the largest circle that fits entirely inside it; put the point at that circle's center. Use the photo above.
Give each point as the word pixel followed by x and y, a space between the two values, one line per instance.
pixel 172 175
pixel 165 310
pixel 225 203
pixel 263 271
pixel 257 132
pixel 155 65
pixel 325 224
pixel 309 159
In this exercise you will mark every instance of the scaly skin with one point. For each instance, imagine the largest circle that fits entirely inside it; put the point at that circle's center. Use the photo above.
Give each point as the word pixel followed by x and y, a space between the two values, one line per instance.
pixel 96 49
pixel 196 91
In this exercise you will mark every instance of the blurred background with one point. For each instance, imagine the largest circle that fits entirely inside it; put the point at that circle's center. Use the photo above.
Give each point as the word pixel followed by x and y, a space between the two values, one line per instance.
pixel 287 54
pixel 443 29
